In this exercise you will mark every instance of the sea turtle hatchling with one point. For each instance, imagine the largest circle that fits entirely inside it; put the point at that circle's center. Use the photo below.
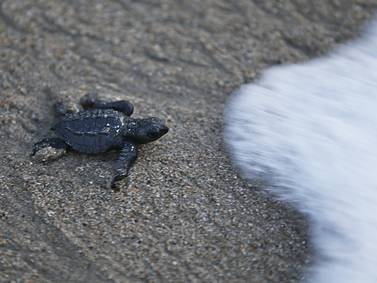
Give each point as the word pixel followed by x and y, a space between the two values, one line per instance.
pixel 100 127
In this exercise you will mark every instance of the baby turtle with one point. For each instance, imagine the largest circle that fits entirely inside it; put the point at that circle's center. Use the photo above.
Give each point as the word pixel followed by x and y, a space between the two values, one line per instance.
pixel 100 127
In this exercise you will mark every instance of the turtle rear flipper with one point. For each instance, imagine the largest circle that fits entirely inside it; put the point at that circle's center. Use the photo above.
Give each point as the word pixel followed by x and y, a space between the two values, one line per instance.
pixel 49 149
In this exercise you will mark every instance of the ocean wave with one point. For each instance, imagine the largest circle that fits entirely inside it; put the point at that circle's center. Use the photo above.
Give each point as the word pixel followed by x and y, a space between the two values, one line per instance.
pixel 311 130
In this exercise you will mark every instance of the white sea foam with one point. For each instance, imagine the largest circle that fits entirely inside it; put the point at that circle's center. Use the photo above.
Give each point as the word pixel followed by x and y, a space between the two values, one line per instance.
pixel 311 128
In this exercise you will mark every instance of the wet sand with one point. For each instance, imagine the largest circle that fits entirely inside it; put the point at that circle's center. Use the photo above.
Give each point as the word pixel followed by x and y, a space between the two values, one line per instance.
pixel 187 215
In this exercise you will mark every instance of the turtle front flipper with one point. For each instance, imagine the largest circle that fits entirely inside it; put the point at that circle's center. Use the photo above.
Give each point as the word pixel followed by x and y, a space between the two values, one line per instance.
pixel 91 100
pixel 127 157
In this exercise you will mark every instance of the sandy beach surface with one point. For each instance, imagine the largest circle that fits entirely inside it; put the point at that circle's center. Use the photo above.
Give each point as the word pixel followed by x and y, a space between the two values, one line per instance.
pixel 187 215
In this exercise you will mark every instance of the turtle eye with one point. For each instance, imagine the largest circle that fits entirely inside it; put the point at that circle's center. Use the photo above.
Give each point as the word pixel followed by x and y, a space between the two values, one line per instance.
pixel 158 132
pixel 153 134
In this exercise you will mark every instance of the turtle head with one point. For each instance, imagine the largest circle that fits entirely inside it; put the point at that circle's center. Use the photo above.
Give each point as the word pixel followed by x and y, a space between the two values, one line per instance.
pixel 149 129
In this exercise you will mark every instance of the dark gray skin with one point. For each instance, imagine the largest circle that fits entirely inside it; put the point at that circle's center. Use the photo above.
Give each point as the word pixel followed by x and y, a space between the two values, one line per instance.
pixel 103 126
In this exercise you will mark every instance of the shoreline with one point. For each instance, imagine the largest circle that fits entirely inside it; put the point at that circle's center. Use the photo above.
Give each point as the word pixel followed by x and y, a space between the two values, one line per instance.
pixel 187 215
